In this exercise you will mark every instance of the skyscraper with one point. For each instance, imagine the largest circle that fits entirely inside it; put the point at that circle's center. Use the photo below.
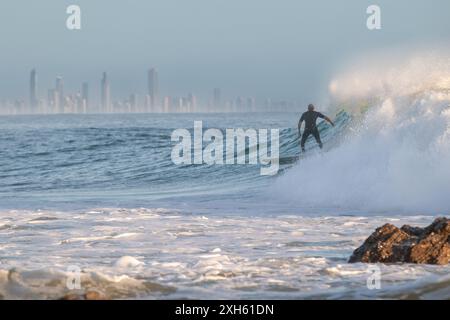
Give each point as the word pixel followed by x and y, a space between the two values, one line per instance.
pixel 33 91
pixel 85 95
pixel 239 104
pixel 192 101
pixel 251 104
pixel 153 88
pixel 106 99
pixel 133 102
pixel 167 104
pixel 147 103
pixel 60 91
pixel 268 104
pixel 217 98
pixel 52 101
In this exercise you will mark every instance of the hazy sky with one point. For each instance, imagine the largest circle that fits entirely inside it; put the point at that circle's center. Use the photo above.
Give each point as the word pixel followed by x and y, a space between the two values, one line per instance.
pixel 266 48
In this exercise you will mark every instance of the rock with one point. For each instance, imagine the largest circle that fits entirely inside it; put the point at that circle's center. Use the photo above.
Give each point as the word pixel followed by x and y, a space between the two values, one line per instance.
pixel 94 295
pixel 72 296
pixel 88 295
pixel 389 244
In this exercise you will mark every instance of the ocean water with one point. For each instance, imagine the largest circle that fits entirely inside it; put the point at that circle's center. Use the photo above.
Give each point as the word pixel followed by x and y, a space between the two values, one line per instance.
pixel 99 193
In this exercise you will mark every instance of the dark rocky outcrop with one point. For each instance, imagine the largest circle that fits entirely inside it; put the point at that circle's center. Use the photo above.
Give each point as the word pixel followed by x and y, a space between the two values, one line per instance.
pixel 389 244
pixel 88 295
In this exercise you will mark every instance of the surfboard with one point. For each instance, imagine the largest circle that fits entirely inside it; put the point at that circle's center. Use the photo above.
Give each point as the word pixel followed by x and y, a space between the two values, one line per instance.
pixel 288 159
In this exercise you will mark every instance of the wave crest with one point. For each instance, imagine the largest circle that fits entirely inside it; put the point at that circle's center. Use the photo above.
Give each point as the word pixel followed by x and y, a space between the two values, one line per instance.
pixel 396 153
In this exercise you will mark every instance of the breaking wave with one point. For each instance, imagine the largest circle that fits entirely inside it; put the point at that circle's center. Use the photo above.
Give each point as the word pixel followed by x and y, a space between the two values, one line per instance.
pixel 395 153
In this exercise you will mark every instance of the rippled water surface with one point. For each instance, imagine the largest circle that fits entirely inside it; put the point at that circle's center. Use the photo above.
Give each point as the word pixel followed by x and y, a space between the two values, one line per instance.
pixel 100 193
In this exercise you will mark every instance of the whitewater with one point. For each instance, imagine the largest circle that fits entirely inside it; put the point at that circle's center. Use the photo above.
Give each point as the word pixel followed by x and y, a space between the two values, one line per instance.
pixel 395 154
pixel 100 192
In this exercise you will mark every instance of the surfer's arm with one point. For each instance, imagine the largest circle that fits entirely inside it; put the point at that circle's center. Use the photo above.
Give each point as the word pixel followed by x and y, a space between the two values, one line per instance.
pixel 299 127
pixel 329 120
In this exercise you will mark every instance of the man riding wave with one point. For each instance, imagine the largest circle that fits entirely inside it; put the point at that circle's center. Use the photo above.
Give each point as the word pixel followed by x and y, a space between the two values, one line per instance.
pixel 310 119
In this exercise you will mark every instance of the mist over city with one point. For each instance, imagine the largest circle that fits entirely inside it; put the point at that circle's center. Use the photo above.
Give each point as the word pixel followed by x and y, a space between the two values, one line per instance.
pixel 59 101
pixel 207 55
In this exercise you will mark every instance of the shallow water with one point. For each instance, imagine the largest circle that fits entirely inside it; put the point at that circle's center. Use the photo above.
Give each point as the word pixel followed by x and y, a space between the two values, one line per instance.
pixel 159 253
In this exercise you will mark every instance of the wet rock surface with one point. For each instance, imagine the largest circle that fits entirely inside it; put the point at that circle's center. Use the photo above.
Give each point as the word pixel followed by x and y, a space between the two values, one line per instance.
pixel 389 244
pixel 88 295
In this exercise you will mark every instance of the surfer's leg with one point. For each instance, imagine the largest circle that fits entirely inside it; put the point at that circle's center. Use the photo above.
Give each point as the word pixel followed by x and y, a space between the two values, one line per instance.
pixel 316 135
pixel 305 136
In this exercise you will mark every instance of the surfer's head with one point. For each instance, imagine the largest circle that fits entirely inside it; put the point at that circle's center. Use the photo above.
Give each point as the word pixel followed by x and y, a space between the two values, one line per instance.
pixel 310 107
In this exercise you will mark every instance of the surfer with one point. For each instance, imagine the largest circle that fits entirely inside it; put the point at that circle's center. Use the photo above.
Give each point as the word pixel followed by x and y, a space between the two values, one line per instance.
pixel 310 118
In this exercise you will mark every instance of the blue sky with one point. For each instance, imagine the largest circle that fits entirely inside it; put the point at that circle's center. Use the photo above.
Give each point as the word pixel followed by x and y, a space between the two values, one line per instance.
pixel 265 48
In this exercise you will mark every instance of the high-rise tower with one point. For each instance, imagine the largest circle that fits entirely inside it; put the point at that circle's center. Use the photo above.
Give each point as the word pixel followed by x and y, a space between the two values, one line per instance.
pixel 33 91
pixel 153 88
pixel 217 98
pixel 60 91
pixel 106 99
pixel 85 95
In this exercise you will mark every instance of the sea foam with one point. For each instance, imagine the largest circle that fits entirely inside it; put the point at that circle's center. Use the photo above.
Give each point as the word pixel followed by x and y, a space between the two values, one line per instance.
pixel 395 155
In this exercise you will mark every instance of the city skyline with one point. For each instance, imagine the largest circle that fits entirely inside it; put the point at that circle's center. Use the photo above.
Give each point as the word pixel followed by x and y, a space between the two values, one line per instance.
pixel 58 101
pixel 251 48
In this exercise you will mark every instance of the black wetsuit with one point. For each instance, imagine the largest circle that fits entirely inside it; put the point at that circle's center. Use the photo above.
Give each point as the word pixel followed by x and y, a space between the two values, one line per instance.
pixel 310 118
